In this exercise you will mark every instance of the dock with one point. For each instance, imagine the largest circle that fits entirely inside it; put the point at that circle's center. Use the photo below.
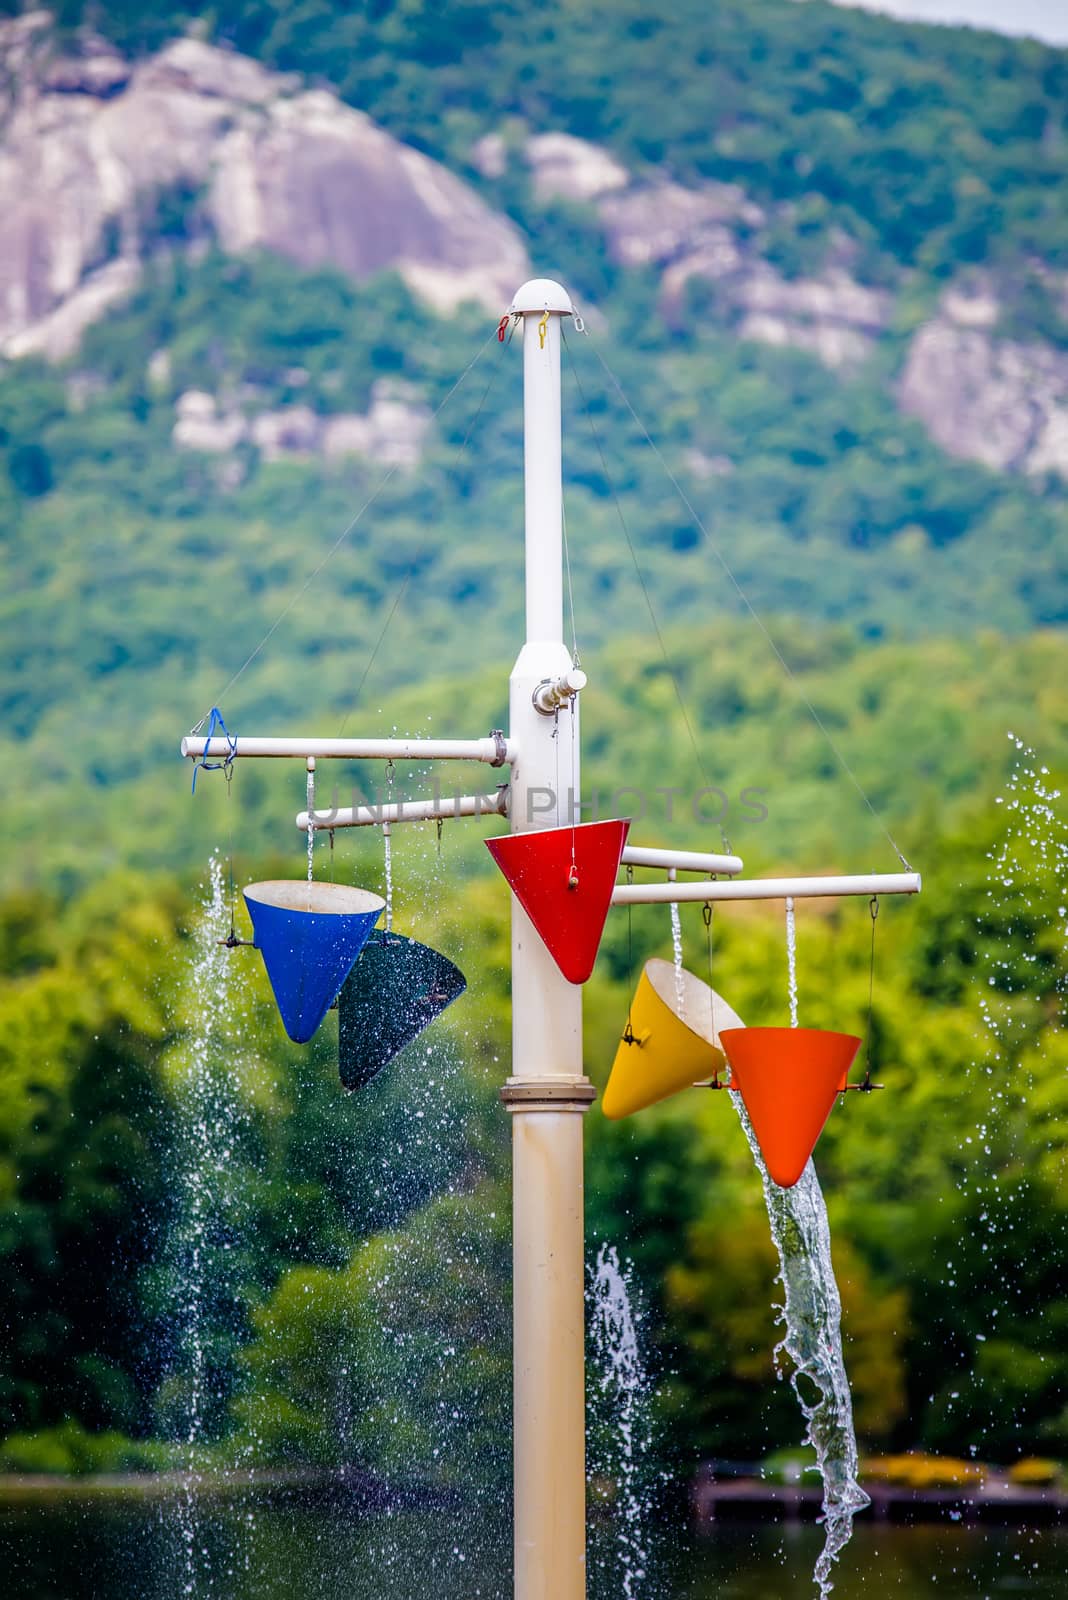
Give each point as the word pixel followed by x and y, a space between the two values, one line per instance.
pixel 996 1500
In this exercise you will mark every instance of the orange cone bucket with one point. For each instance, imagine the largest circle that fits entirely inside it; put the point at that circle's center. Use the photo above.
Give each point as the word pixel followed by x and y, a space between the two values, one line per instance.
pixel 788 1078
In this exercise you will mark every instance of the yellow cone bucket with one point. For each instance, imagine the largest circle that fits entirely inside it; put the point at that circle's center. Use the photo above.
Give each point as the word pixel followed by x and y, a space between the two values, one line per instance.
pixel 672 1040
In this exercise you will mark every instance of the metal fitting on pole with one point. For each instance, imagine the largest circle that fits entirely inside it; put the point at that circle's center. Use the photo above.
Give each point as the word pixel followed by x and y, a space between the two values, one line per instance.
pixel 554 693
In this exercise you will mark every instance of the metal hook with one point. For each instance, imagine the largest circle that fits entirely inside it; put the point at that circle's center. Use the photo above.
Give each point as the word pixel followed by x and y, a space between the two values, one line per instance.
pixel 543 328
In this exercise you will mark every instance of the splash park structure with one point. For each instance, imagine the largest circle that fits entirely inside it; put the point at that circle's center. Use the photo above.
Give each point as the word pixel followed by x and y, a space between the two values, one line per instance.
pixel 319 945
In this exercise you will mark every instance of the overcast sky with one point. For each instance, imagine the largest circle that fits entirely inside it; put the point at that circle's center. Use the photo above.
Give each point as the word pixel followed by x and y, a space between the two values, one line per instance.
pixel 1042 19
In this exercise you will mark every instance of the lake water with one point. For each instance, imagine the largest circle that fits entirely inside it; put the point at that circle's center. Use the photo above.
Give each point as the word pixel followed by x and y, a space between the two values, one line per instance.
pixel 138 1552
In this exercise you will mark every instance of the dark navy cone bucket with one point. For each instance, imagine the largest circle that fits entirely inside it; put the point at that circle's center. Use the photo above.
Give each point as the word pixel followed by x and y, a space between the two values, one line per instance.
pixel 309 935
pixel 396 989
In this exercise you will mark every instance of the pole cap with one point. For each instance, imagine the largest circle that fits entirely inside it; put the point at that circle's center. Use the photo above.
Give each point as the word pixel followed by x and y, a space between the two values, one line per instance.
pixel 542 294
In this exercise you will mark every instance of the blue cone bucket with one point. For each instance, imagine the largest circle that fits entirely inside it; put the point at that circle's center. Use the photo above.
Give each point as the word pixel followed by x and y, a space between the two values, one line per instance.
pixel 309 935
pixel 394 991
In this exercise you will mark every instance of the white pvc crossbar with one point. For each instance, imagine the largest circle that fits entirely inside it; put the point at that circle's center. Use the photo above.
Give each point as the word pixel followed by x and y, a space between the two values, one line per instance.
pixel 640 855
pixel 444 807
pixel 874 883
pixel 489 750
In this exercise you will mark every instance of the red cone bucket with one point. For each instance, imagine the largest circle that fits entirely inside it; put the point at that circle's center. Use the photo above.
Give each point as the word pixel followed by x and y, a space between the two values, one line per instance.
pixel 788 1079
pixel 563 878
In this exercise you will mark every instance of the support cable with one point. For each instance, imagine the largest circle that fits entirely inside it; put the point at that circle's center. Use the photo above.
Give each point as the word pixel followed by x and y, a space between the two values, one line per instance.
pixel 402 588
pixel 629 1036
pixel 346 532
pixel 672 674
pixel 706 918
pixel 575 659
pixel 873 907
pixel 747 603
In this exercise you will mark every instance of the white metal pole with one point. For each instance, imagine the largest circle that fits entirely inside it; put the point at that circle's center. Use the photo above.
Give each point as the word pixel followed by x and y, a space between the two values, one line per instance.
pixel 547 1090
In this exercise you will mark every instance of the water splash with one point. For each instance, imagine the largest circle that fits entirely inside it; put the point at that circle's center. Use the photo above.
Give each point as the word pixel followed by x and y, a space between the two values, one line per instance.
pixel 1028 868
pixel 791 959
pixel 812 1314
pixel 1021 991
pixel 1036 828
pixel 676 946
pixel 200 1254
pixel 621 1433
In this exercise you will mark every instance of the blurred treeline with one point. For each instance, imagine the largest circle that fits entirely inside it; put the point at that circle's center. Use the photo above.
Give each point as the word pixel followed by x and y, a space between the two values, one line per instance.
pixel 352 1281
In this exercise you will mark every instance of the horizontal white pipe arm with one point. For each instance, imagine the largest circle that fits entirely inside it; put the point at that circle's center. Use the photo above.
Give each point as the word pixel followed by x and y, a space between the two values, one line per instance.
pixel 639 855
pixel 496 751
pixel 640 894
pixel 444 807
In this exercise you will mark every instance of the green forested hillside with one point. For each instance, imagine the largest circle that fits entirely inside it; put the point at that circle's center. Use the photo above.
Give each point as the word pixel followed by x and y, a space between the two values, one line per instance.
pixel 138 582
pixel 145 575
pixel 919 602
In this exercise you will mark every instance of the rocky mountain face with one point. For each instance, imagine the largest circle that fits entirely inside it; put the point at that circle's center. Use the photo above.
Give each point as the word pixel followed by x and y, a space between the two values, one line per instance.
pixel 391 432
pixel 1000 401
pixel 984 398
pixel 706 233
pixel 94 149
pixel 93 145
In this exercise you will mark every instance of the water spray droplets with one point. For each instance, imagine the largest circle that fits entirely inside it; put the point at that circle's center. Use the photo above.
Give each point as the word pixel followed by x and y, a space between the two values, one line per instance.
pixel 621 1401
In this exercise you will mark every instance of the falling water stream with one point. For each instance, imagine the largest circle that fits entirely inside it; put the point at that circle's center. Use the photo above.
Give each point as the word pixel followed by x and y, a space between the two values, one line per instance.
pixel 387 844
pixel 199 1252
pixel 791 959
pixel 311 813
pixel 676 945
pixel 620 1435
pixel 811 1314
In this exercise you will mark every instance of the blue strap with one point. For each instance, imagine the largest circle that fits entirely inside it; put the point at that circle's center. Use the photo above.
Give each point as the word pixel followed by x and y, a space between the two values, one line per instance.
pixel 215 725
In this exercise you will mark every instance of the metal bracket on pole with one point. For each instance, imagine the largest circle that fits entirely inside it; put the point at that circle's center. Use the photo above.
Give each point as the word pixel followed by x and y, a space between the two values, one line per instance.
pixel 548 1094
